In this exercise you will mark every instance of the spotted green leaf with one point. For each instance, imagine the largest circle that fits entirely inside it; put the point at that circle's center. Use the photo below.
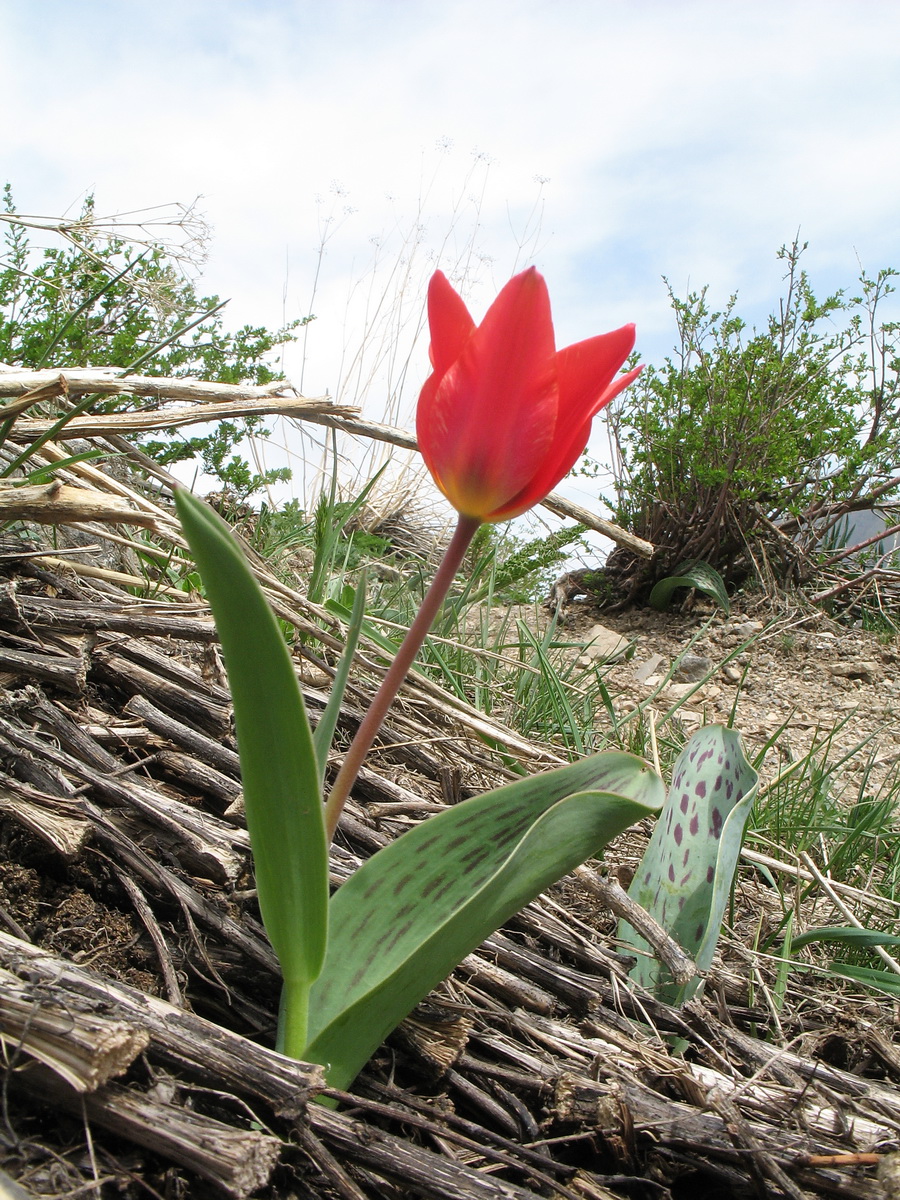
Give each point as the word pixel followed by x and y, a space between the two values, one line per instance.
pixel 686 874
pixel 410 914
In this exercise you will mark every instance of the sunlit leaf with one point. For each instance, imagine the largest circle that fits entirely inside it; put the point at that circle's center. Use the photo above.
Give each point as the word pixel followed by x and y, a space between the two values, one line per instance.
pixel 411 913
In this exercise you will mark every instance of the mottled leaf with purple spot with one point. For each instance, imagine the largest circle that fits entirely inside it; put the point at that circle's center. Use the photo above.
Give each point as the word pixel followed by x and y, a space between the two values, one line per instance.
pixel 686 874
pixel 409 915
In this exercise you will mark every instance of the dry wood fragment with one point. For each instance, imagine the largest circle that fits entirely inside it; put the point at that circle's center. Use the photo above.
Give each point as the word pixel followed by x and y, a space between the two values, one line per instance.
pixel 66 671
pixel 333 1171
pixel 135 618
pixel 50 390
pixel 63 671
pixel 244 936
pixel 681 965
pixel 58 503
pixel 188 704
pixel 121 578
pixel 147 420
pixel 145 912
pixel 182 1041
pixel 238 1161
pixel 204 838
pixel 198 775
pixel 111 381
pixel 388 1155
pixel 221 757
pixel 84 1048
pixel 45 816
pixel 494 979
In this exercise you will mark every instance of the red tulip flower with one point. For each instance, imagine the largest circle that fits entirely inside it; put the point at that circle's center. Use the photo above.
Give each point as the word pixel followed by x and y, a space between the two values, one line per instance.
pixel 505 415
pixel 502 419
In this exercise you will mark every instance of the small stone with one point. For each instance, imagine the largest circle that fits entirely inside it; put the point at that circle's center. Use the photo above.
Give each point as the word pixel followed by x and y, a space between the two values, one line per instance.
pixel 731 674
pixel 692 668
pixel 746 629
pixel 605 645
pixel 865 669
pixel 648 668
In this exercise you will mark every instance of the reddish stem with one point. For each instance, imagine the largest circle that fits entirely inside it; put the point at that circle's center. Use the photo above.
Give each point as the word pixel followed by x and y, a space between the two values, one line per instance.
pixel 397 672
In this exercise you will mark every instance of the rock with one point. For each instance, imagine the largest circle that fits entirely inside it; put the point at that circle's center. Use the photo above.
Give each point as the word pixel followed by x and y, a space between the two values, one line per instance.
pixel 650 667
pixel 692 668
pixel 732 674
pixel 866 669
pixel 605 645
pixel 746 629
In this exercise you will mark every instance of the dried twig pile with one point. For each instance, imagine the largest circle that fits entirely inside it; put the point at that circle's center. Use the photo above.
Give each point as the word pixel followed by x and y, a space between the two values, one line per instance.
pixel 138 992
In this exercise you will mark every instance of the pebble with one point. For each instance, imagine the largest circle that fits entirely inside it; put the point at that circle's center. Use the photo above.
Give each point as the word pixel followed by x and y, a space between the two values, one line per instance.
pixel 692 668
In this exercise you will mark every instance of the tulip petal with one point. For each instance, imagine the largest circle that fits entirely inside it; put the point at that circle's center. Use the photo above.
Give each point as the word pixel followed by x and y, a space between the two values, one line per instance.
pixel 586 370
pixel 563 455
pixel 449 321
pixel 486 424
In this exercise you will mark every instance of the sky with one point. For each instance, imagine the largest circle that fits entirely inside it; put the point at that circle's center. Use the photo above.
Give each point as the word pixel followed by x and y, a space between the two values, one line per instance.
pixel 340 150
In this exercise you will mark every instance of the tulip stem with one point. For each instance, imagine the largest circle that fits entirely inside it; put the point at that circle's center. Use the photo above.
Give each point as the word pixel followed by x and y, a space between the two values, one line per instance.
pixel 398 670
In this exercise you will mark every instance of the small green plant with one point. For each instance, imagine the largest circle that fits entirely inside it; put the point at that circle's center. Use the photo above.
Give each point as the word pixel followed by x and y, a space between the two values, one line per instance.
pixel 97 299
pixel 697 575
pixel 747 445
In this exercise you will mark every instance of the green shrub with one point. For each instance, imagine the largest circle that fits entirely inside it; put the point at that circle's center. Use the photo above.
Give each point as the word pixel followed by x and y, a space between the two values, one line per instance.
pixel 99 300
pixel 747 444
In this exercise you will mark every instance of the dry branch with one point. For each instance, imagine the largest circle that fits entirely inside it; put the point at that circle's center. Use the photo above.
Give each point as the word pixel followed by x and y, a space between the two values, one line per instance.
pixel 238 1161
pixel 221 401
pixel 146 421
pixel 58 503
pixel 85 1049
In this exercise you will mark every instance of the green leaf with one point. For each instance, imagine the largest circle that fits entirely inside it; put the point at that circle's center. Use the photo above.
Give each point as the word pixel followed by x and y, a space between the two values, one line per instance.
pixel 693 574
pixel 278 761
pixel 846 935
pixel 411 913
pixel 884 981
pixel 688 868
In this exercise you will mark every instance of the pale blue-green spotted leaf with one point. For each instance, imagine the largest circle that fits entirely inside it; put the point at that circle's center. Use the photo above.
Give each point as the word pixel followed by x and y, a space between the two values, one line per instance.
pixel 278 761
pixel 410 914
pixel 685 877
pixel 693 574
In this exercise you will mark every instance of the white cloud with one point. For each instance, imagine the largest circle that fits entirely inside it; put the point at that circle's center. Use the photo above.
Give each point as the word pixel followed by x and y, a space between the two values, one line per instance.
pixel 688 139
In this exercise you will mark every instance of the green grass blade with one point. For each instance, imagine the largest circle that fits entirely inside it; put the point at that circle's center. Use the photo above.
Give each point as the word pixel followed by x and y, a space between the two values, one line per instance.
pixel 44 473
pixel 782 975
pixel 883 981
pixel 846 935
pixel 278 760
pixel 324 731
pixel 412 912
